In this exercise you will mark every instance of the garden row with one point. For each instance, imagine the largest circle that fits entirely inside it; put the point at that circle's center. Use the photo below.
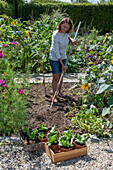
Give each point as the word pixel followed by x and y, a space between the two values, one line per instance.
pixel 97 96
pixel 24 48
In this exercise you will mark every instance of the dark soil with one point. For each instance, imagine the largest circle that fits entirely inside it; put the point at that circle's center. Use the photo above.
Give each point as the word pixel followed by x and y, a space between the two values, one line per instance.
pixel 63 110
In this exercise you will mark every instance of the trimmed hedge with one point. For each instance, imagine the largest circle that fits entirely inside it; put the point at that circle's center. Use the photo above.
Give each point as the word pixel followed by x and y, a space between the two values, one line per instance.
pixel 100 15
pixel 6 9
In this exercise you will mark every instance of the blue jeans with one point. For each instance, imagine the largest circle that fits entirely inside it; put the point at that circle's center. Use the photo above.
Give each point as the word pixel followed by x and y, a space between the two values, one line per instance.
pixel 56 66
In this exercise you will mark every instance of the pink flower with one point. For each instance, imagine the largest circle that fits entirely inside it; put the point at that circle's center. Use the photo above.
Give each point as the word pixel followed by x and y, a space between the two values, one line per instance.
pixel 2 82
pixel 1 54
pixel 4 45
pixel 20 91
pixel 13 42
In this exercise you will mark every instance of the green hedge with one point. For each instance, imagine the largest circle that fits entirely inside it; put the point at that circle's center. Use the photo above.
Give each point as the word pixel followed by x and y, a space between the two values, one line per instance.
pixel 99 15
pixel 6 9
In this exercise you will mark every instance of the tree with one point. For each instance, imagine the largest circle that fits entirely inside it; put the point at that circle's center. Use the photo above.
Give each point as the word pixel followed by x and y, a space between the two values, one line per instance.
pixel 102 1
pixel 16 3
pixel 43 1
pixel 110 1
pixel 80 1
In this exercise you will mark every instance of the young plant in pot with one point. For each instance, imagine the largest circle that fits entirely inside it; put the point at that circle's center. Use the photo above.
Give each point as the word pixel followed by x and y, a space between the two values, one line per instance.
pixel 65 141
pixel 53 141
pixel 42 133
pixel 24 132
pixel 33 137
pixel 29 136
pixel 54 131
pixel 80 141
pixel 24 135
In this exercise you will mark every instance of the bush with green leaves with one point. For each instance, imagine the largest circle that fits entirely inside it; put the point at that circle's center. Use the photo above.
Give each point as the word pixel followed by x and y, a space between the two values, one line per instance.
pixel 13 103
pixel 13 95
pixel 31 51
pixel 97 85
pixel 100 76
pixel 88 121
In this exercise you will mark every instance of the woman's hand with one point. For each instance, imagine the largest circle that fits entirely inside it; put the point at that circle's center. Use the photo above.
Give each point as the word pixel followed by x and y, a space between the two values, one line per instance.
pixel 63 68
pixel 72 41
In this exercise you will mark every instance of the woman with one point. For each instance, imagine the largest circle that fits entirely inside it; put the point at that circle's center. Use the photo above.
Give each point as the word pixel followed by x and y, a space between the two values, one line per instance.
pixel 57 58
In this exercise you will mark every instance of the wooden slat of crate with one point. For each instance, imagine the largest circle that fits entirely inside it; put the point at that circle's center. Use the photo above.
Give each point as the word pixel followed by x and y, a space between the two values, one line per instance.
pixel 35 147
pixel 62 156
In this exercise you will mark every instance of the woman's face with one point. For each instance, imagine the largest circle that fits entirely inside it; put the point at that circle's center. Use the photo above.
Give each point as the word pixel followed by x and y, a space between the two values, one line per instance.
pixel 64 27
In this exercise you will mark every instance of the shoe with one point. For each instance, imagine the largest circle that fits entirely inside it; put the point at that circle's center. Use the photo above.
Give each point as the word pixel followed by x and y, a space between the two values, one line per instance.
pixel 61 95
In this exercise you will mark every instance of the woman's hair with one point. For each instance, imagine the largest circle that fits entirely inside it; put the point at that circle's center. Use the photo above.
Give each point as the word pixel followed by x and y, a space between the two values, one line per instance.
pixel 68 21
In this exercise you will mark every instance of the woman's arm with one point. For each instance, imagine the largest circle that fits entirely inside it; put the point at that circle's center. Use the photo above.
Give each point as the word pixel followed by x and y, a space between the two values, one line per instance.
pixel 55 46
pixel 63 67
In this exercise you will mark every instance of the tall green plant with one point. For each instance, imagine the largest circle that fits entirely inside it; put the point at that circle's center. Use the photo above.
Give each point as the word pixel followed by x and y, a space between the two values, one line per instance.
pixel 13 103
pixel 13 96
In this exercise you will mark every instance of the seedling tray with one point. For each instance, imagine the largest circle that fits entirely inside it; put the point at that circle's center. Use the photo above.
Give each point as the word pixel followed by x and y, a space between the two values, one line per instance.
pixel 62 156
pixel 35 147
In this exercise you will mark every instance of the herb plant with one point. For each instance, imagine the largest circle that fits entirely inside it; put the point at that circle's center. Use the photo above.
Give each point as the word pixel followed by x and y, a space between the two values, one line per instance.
pixel 52 139
pixel 65 142
pixel 42 127
pixel 41 135
pixel 53 130
pixel 68 134
pixel 80 139
pixel 32 135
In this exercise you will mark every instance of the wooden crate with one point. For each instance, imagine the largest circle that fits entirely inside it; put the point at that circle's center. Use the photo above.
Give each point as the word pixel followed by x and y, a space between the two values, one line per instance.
pixel 62 156
pixel 35 147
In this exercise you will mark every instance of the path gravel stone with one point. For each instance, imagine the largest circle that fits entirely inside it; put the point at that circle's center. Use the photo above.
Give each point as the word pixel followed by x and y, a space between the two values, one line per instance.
pixel 99 157
pixel 67 77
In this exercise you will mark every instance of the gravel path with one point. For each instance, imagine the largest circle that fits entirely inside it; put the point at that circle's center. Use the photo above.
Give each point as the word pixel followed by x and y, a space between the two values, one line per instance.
pixel 100 157
pixel 67 77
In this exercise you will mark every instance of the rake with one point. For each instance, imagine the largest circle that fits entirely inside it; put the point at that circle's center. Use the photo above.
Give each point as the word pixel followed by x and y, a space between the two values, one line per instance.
pixel 65 66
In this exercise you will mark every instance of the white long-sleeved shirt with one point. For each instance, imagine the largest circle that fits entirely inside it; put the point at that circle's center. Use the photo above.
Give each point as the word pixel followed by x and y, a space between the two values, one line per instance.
pixel 59 45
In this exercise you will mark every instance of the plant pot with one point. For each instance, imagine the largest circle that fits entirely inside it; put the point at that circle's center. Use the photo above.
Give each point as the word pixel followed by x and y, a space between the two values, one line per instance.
pixel 32 142
pixel 25 142
pixel 42 140
pixel 78 146
pixel 62 149
pixel 45 135
pixel 54 148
